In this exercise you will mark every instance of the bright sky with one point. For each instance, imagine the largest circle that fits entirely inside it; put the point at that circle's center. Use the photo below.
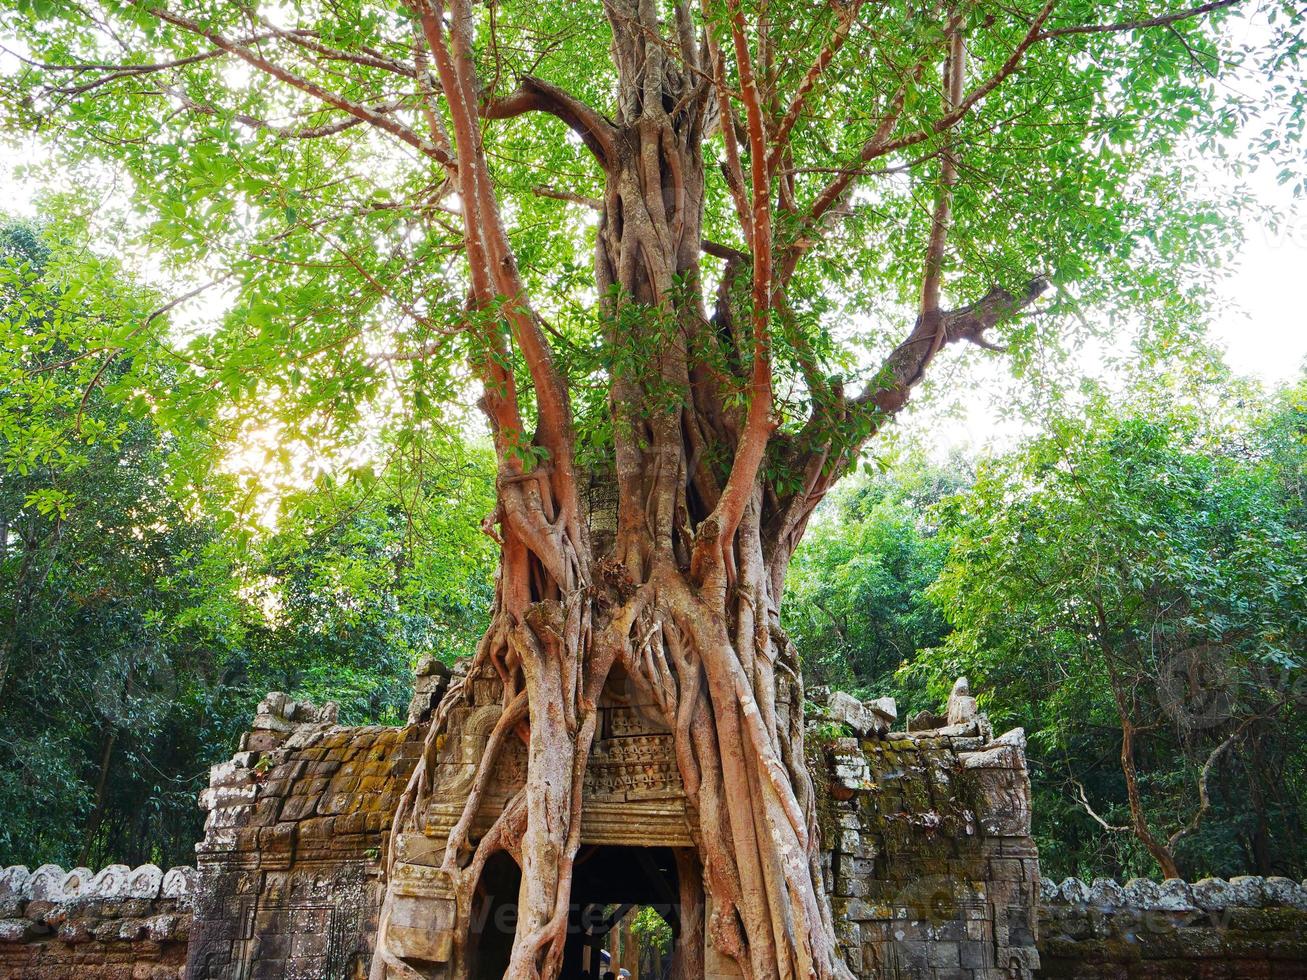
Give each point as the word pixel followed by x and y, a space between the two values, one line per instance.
pixel 1268 339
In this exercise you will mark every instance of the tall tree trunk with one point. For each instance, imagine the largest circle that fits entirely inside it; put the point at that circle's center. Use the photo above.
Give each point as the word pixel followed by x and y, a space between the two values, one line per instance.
pixel 685 600
pixel 101 785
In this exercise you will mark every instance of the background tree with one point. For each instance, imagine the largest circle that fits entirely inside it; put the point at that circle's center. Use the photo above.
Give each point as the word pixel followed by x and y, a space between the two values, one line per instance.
pixel 375 168
pixel 857 604
pixel 136 631
pixel 1131 586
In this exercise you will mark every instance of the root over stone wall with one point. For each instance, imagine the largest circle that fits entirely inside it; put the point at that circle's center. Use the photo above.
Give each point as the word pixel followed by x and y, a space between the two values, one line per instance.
pixel 929 862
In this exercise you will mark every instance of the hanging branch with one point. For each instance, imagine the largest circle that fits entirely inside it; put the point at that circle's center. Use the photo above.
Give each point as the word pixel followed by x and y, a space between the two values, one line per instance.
pixel 381 121
pixel 758 425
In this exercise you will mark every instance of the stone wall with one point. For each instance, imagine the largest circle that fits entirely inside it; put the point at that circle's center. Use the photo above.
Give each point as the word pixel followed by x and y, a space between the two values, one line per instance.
pixel 1248 928
pixel 117 924
pixel 932 871
pixel 297 823
pixel 930 865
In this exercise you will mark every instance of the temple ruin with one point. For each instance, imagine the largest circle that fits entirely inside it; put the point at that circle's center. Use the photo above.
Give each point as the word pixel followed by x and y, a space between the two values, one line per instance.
pixel 927 858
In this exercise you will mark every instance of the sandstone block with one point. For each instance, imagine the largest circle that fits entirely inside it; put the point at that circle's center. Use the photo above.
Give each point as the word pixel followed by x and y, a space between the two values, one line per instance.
pixel 145 882
pixel 1174 895
pixel 847 709
pixel 15 930
pixel 1212 894
pixel 1105 893
pixel 1284 892
pixel 178 883
pixel 77 883
pixel 1141 892
pixel 45 884
pixel 1073 891
pixel 1247 891
pixel 111 882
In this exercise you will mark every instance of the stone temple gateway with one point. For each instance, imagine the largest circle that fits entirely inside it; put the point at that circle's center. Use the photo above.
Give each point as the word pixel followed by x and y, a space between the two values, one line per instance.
pixel 927 858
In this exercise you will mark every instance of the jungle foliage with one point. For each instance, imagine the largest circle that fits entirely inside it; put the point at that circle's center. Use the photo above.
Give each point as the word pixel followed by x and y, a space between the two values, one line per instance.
pixel 1137 565
pixel 140 624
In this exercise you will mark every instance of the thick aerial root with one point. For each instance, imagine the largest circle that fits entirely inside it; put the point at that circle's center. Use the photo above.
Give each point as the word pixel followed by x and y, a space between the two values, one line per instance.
pixel 755 888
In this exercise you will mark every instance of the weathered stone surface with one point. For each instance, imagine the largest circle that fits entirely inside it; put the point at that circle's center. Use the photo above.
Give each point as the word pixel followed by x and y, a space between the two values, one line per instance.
pixel 1073 891
pixel 929 860
pixel 1284 891
pixel 849 765
pixel 1212 894
pixel 961 705
pixel 1015 738
pixel 45 884
pixel 111 881
pixel 76 883
pixel 926 720
pixel 848 710
pixel 1105 893
pixel 178 883
pixel 13 881
pixel 886 708
pixel 1141 893
pixel 1174 895
pixel 931 878
pixel 83 936
pixel 298 856
pixel 430 682
pixel 1220 939
pixel 1247 891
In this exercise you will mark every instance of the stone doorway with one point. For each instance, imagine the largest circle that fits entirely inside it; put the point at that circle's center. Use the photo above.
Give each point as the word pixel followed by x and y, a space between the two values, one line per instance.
pixel 609 886
pixel 494 918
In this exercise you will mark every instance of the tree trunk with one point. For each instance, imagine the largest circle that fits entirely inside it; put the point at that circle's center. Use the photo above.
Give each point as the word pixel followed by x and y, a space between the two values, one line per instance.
pixel 687 605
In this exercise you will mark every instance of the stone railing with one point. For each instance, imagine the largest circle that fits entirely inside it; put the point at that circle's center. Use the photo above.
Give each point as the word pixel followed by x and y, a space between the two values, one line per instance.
pixel 1174 895
pixel 57 924
pixel 1246 927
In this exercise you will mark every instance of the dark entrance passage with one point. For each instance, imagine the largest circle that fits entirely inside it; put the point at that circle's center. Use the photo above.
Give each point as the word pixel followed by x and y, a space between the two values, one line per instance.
pixel 608 885
pixel 494 918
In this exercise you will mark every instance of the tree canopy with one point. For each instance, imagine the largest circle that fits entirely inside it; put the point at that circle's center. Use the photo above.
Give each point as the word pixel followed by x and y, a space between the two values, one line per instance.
pixel 136 634
pixel 689 260
pixel 297 158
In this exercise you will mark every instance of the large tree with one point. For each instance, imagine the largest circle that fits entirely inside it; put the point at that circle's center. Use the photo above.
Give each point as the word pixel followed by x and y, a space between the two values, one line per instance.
pixel 402 195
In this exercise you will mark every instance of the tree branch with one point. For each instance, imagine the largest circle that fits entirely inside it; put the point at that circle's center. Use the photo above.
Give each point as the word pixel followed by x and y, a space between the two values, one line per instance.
pixel 1204 797
pixel 1138 25
pixel 285 132
pixel 1084 802
pixel 253 58
pixel 535 94
pixel 544 190
pixel 758 424
pixel 846 16
pixel 907 363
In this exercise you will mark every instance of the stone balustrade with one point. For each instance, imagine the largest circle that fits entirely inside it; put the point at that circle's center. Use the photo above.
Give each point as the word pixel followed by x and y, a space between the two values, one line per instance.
pixel 1247 927
pixel 58 924
pixel 1174 895
pixel 51 883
